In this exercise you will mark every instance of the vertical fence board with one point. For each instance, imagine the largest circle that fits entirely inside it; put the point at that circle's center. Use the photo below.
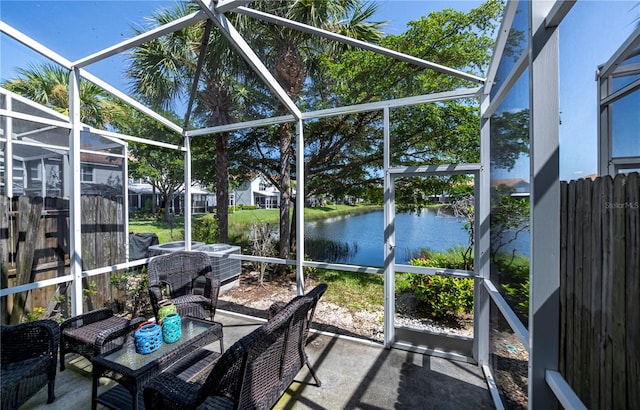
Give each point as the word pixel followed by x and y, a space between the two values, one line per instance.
pixel 632 288
pixel 606 295
pixel 598 203
pixel 570 363
pixel 578 341
pixel 585 305
pixel 28 221
pixel 5 238
pixel 563 276
pixel 618 303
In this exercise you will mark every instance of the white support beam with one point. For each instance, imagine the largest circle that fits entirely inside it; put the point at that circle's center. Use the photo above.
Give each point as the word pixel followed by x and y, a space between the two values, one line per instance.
pixel 400 102
pixel 565 394
pixel 239 43
pixel 36 106
pixel 300 207
pixel 357 43
pixel 623 52
pixel 514 322
pixel 544 271
pixel 557 13
pixel 389 238
pixel 242 125
pixel 8 159
pixel 482 245
pixel 426 170
pixel 126 137
pixel 35 119
pixel 187 194
pixel 507 84
pixel 75 214
pixel 378 105
pixel 135 104
pixel 621 93
pixel 140 39
pixel 500 44
pixel 222 6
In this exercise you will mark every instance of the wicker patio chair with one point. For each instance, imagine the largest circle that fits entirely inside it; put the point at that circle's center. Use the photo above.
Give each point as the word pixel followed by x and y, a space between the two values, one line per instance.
pixel 184 278
pixel 251 374
pixel 28 354
pixel 94 333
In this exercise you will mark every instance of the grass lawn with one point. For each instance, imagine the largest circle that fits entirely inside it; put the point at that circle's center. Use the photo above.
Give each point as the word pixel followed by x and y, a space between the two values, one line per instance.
pixel 240 221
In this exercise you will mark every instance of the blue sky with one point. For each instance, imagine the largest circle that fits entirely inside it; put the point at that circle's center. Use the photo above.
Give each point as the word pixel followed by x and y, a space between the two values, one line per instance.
pixel 590 34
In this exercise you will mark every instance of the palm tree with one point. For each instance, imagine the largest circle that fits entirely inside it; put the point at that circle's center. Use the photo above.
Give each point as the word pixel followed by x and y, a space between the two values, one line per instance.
pixel 48 84
pixel 163 69
pixel 291 57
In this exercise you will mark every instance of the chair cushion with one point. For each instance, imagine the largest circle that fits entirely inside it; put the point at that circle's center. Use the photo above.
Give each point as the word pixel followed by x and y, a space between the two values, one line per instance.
pixel 87 334
pixel 180 300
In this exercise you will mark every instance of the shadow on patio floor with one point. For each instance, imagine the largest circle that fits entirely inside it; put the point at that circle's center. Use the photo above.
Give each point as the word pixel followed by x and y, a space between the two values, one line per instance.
pixel 354 375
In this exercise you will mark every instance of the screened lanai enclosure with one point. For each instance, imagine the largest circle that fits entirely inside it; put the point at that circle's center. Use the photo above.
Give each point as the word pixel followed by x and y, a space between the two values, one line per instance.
pixel 324 106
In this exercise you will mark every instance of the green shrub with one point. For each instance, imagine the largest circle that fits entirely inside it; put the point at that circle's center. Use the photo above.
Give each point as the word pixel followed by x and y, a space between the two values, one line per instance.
pixel 444 296
pixel 205 229
pixel 512 273
pixel 36 314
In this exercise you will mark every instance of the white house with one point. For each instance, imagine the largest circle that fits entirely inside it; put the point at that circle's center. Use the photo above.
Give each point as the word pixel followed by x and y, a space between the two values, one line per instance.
pixel 257 192
pixel 141 195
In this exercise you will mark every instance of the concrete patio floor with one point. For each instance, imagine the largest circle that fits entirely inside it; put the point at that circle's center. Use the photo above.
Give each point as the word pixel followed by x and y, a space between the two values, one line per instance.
pixel 354 375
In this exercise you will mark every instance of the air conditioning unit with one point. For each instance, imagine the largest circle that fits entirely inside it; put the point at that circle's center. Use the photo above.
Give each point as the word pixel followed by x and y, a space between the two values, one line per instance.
pixel 224 268
pixel 169 247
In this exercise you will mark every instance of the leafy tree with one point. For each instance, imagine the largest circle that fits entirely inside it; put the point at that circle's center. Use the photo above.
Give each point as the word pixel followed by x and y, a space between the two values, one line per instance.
pixel 162 168
pixel 509 215
pixel 48 84
pixel 292 55
pixel 346 152
pixel 509 138
pixel 162 70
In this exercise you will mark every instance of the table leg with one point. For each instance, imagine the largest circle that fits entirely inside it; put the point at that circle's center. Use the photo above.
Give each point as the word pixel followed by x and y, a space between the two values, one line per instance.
pixel 94 390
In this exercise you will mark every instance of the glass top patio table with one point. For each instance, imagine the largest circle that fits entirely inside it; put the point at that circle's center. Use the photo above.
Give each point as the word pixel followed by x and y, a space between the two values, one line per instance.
pixel 133 370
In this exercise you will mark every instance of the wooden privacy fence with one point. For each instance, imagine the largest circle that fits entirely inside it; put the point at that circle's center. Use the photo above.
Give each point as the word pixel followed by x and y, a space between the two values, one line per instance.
pixel 34 245
pixel 600 290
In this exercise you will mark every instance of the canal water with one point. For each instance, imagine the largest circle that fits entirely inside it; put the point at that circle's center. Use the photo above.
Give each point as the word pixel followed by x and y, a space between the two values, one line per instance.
pixel 364 234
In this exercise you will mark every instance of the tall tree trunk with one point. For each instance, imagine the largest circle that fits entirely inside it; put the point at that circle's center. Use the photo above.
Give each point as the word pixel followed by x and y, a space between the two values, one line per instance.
pixel 222 186
pixel 166 217
pixel 285 188
pixel 154 200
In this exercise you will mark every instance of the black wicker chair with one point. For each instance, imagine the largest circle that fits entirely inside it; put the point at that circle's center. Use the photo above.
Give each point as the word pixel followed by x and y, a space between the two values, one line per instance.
pixel 184 278
pixel 251 374
pixel 28 352
pixel 94 333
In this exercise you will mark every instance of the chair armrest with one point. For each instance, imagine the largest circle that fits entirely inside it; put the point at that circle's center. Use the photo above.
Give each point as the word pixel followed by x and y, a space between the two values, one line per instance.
pixel 169 391
pixel 30 340
pixel 86 318
pixel 275 308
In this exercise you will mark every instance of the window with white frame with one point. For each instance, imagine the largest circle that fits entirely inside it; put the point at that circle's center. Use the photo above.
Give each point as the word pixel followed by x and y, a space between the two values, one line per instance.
pixel 86 173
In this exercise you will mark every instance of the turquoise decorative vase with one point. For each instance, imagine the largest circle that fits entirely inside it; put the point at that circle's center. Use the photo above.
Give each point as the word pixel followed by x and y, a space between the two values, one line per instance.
pixel 166 308
pixel 172 327
pixel 148 338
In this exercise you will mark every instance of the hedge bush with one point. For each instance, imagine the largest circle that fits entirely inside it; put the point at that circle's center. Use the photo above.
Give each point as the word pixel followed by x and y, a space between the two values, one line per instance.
pixel 444 296
pixel 205 229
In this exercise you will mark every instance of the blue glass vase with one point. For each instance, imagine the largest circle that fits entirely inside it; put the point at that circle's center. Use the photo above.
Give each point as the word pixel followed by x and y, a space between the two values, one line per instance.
pixel 171 327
